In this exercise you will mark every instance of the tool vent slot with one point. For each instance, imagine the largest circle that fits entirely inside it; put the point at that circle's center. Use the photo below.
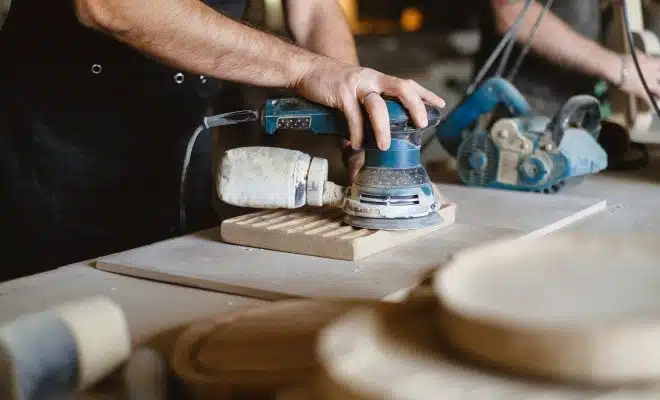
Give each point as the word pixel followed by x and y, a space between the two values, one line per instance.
pixel 381 200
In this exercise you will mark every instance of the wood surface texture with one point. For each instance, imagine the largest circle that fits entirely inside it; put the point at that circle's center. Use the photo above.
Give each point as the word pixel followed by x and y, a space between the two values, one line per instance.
pixel 572 307
pixel 202 260
pixel 254 353
pixel 149 306
pixel 319 232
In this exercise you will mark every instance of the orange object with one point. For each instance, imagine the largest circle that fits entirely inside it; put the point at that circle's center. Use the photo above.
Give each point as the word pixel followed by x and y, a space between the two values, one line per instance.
pixel 351 11
pixel 411 19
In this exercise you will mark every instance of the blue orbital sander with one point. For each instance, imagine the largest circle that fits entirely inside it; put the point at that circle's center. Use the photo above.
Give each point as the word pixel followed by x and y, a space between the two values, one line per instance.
pixel 393 190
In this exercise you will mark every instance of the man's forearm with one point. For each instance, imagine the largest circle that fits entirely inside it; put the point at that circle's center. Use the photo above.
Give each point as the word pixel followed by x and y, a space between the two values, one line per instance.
pixel 321 26
pixel 189 35
pixel 558 41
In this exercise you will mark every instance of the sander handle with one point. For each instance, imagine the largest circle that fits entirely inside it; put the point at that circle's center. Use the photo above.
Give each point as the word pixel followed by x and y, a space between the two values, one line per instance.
pixel 294 113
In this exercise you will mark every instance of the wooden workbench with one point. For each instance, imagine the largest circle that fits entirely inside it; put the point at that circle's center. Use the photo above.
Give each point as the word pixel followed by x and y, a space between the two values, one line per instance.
pixel 152 308
pixel 156 311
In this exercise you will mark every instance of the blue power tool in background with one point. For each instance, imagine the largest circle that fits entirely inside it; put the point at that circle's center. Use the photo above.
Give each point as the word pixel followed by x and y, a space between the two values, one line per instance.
pixel 393 190
pixel 523 152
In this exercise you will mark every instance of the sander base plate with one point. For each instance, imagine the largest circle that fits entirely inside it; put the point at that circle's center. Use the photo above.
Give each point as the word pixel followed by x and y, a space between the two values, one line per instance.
pixel 394 224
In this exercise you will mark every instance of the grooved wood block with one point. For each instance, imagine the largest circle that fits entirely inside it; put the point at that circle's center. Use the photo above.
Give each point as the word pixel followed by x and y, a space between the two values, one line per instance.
pixel 319 232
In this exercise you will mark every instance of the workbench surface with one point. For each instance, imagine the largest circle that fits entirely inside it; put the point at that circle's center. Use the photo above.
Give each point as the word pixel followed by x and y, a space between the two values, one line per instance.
pixel 156 311
pixel 151 308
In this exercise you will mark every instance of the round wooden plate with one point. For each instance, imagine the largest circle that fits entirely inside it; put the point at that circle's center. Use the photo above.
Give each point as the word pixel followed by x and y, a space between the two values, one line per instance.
pixel 565 306
pixel 256 351
pixel 392 351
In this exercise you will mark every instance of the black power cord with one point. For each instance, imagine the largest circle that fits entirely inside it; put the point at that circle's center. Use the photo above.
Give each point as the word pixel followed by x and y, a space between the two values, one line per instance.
pixel 528 43
pixel 508 39
pixel 504 61
pixel 633 53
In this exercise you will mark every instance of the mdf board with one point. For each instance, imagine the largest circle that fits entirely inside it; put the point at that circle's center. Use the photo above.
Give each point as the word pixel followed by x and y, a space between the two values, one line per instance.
pixel 535 213
pixel 319 232
pixel 202 260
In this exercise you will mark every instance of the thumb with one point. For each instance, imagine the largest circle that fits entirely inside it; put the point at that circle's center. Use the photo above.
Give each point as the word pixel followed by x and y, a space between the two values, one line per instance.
pixel 355 164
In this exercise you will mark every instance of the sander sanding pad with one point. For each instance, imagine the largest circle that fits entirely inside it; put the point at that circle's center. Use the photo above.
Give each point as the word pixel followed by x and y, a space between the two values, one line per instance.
pixel 570 307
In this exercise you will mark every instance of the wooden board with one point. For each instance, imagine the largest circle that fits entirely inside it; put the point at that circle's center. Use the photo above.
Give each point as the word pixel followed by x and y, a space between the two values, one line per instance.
pixel 203 260
pixel 319 232
pixel 533 213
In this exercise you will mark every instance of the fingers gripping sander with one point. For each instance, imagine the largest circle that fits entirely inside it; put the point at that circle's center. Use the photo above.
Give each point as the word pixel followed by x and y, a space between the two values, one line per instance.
pixel 391 192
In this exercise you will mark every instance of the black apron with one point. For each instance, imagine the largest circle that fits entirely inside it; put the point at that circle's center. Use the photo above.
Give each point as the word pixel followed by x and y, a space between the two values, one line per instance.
pixel 92 139
pixel 546 85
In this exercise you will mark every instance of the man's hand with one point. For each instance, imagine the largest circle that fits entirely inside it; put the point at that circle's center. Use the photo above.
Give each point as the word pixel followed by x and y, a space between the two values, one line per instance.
pixel 321 27
pixel 346 87
pixel 632 84
pixel 190 35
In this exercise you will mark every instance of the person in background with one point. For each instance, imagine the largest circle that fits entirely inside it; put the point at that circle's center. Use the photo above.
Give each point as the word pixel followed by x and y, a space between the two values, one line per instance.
pixel 566 57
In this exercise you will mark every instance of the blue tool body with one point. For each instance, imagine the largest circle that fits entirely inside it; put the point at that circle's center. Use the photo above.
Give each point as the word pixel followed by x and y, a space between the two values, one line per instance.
pixel 300 114
pixel 393 190
pixel 524 152
pixel 494 92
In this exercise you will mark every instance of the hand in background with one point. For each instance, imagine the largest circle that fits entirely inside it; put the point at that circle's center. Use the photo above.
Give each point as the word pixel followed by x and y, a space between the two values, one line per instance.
pixel 632 83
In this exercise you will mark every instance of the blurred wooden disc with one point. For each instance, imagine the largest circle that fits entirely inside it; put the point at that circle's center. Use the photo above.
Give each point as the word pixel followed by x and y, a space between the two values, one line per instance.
pixel 565 306
pixel 144 376
pixel 392 351
pixel 253 351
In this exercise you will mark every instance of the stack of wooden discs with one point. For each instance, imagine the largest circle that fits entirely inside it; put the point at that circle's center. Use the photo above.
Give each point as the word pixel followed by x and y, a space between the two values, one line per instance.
pixel 559 317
